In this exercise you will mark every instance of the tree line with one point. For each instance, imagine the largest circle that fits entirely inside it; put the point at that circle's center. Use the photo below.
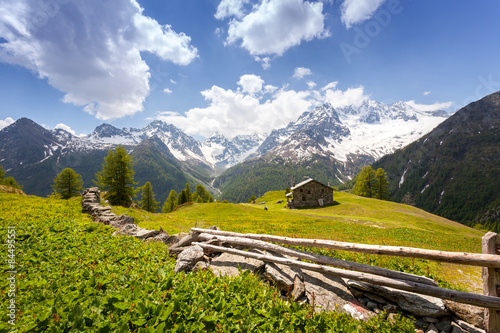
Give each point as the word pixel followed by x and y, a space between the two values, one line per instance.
pixel 117 180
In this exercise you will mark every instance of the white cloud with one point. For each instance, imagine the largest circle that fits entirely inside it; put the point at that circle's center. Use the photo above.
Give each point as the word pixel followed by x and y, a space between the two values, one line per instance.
pixel 357 11
pixel 172 81
pixel 311 84
pixel 4 123
pixel 242 111
pixel 300 72
pixel 426 93
pixel 251 84
pixel 265 61
pixel 91 50
pixel 331 85
pixel 167 91
pixel 430 107
pixel 338 98
pixel 65 127
pixel 228 8
pixel 274 26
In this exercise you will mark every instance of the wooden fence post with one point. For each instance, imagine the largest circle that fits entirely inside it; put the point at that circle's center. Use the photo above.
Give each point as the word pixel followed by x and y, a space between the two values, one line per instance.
pixel 491 282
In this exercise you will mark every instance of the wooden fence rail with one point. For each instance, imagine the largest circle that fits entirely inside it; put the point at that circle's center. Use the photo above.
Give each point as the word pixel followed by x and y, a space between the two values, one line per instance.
pixel 489 260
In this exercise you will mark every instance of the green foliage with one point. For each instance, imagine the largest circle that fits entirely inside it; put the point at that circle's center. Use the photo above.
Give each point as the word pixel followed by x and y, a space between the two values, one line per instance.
pixel 10 181
pixel 365 183
pixel 201 195
pixel 252 199
pixel 148 201
pixel 67 183
pixel 72 275
pixel 372 184
pixel 2 173
pixel 170 202
pixel 381 185
pixel 117 177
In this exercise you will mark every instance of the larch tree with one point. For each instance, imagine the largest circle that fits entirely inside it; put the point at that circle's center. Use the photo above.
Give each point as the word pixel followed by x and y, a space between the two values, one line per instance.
pixel 148 201
pixel 117 177
pixel 381 185
pixel 67 184
pixel 365 184
pixel 170 202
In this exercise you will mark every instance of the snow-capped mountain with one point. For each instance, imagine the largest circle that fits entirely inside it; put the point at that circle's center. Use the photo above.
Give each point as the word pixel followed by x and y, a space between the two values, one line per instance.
pixel 225 153
pixel 351 135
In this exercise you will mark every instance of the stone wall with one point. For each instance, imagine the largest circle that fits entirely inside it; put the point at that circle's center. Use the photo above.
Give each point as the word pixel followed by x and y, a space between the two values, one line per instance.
pixel 310 194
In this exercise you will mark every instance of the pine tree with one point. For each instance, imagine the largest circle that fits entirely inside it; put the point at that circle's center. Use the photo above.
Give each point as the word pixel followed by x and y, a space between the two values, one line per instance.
pixel 2 173
pixel 117 177
pixel 201 192
pixel 10 181
pixel 252 199
pixel 365 184
pixel 148 202
pixel 408 199
pixel 182 198
pixel 381 185
pixel 170 203
pixel 67 183
pixel 189 195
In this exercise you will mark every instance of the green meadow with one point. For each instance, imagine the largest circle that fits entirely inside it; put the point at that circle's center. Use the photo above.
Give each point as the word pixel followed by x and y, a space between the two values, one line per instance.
pixel 72 275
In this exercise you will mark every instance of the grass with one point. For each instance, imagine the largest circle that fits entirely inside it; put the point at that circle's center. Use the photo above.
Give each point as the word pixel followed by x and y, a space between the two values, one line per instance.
pixel 351 219
pixel 72 275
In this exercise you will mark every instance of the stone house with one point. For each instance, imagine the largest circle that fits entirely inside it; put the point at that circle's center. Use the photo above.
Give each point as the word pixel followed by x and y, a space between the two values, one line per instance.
pixel 310 193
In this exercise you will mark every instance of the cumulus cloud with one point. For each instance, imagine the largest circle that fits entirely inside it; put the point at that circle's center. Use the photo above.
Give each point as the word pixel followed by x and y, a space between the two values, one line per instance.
pixel 339 98
pixel 300 72
pixel 251 84
pixel 4 123
pixel 273 26
pixel 252 108
pixel 91 50
pixel 357 11
pixel 311 84
pixel 430 107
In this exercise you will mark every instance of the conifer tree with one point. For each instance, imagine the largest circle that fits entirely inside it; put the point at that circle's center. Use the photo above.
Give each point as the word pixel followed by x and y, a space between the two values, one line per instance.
pixel 189 195
pixel 148 202
pixel 10 181
pixel 181 198
pixel 381 185
pixel 201 192
pixel 67 183
pixel 170 202
pixel 252 199
pixel 365 184
pixel 2 173
pixel 117 177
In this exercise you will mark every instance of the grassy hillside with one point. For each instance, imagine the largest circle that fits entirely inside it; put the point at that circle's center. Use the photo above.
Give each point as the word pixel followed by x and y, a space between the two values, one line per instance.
pixel 352 219
pixel 72 275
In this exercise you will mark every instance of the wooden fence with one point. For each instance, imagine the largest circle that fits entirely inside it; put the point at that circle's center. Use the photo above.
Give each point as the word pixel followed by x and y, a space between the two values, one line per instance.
pixel 489 260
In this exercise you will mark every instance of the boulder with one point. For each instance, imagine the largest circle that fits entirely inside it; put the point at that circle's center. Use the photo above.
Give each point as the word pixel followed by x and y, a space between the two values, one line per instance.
pixel 120 221
pixel 455 328
pixel 142 233
pixel 328 293
pixel 230 264
pixel 282 276
pixel 469 313
pixel 299 288
pixel 432 329
pixel 469 327
pixel 419 305
pixel 127 230
pixel 188 258
pixel 162 236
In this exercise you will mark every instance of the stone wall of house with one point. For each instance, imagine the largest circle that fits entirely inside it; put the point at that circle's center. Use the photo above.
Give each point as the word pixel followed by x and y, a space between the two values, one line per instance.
pixel 309 195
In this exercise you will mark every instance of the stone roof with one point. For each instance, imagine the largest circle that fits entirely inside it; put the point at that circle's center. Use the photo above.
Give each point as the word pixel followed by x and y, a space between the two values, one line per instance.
pixel 307 182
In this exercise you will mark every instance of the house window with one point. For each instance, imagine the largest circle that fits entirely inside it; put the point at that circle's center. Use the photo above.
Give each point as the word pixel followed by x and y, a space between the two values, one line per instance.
pixel 303 198
pixel 310 192
pixel 301 190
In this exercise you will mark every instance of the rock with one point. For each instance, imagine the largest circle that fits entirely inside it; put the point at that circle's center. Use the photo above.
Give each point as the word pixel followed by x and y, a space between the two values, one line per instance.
pixel 357 293
pixel 230 264
pixel 419 305
pixel 142 233
pixel 279 201
pixel 128 230
pixel 444 325
pixel 431 320
pixel 468 313
pixel 188 258
pixel 162 236
pixel 299 289
pixel 328 293
pixel 376 298
pixel 432 329
pixel 469 327
pixel 120 221
pixel 455 328
pixel 390 308
pixel 282 275
pixel 200 266
pixel 371 305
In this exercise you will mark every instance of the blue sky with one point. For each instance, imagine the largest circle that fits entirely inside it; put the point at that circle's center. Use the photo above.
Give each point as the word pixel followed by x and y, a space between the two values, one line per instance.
pixel 238 67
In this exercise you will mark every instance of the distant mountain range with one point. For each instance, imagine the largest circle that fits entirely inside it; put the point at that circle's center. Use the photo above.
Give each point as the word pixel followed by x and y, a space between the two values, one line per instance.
pixel 326 143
